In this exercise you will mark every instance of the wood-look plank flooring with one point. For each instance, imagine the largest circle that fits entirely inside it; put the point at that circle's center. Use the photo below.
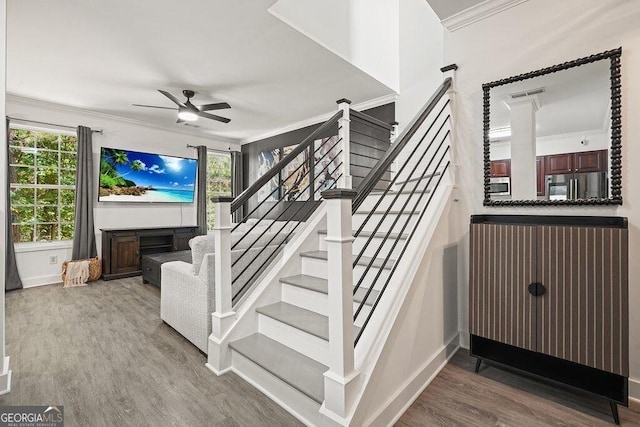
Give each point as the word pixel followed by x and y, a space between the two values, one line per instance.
pixel 103 352
pixel 497 396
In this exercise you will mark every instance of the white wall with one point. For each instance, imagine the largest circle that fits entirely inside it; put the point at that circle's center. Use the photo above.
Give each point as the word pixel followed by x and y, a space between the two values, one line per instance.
pixel 363 32
pixel 421 45
pixel 530 36
pixel 33 259
pixel 557 144
pixel 5 374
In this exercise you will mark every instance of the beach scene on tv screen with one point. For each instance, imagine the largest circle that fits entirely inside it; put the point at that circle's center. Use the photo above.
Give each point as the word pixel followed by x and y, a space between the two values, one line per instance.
pixel 131 176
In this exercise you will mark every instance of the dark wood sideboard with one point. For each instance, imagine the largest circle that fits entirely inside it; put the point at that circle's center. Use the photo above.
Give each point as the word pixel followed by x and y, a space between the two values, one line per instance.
pixel 548 295
pixel 123 248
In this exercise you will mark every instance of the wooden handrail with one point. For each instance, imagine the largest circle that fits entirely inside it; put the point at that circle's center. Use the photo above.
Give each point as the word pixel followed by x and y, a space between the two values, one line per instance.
pixel 243 197
pixel 381 167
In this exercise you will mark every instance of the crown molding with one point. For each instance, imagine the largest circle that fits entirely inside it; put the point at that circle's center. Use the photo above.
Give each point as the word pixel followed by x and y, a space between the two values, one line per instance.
pixel 11 98
pixel 478 12
pixel 376 102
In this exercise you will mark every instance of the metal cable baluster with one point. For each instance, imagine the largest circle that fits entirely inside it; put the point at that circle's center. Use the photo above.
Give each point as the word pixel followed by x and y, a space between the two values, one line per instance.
pixel 393 269
pixel 283 226
pixel 397 218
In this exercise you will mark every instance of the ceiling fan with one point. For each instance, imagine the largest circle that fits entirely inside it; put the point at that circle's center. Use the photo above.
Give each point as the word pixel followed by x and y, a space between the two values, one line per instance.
pixel 187 112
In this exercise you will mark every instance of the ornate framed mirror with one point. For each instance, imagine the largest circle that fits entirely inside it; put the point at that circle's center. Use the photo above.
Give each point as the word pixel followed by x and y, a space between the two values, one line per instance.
pixel 553 136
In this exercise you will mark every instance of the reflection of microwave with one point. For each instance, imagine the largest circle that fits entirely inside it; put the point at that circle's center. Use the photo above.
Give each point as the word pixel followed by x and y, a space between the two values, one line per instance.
pixel 500 186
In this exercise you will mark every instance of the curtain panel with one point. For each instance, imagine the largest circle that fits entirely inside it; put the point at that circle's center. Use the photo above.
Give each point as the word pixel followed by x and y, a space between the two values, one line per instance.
pixel 84 237
pixel 11 276
pixel 201 213
pixel 236 181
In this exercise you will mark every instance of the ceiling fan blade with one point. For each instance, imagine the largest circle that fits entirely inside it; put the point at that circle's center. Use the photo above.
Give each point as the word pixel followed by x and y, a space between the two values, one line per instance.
pixel 214 117
pixel 171 97
pixel 154 106
pixel 216 106
pixel 180 121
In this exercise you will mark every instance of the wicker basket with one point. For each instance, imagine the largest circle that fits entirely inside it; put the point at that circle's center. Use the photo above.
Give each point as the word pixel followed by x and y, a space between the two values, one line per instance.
pixel 95 268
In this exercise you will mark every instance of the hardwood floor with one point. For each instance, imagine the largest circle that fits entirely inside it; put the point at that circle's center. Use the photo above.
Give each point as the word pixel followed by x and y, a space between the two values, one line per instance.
pixel 103 352
pixel 499 397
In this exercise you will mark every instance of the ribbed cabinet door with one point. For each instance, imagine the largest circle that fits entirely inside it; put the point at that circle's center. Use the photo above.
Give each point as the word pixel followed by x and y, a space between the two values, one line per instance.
pixel 502 265
pixel 583 315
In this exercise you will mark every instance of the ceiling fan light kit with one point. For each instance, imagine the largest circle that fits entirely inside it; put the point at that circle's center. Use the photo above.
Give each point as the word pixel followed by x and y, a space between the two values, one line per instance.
pixel 186 115
pixel 187 112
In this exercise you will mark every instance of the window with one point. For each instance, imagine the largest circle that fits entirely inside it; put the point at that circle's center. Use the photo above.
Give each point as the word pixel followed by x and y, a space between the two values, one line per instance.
pixel 42 175
pixel 218 180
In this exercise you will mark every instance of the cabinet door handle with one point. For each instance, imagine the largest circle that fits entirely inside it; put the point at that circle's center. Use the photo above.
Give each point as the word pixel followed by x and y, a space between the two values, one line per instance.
pixel 537 289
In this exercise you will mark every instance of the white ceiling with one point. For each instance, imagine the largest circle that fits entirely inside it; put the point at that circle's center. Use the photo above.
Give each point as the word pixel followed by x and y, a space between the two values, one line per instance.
pixel 447 8
pixel 575 100
pixel 105 55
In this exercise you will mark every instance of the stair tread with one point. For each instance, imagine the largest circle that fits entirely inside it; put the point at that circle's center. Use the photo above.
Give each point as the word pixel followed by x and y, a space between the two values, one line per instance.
pixel 305 320
pixel 322 285
pixel 426 177
pixel 299 371
pixel 380 234
pixel 362 261
pixel 382 212
pixel 300 318
pixel 394 192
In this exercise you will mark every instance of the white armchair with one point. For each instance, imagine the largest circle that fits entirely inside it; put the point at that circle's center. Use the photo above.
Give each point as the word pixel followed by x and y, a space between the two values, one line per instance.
pixel 187 291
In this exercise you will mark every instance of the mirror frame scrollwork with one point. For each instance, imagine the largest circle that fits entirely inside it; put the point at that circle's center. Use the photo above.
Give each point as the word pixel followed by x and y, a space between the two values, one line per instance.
pixel 616 132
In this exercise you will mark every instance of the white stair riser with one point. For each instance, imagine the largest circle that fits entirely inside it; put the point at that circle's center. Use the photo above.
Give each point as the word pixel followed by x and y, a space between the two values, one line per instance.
pixel 317 302
pixel 387 223
pixel 305 298
pixel 318 267
pixel 276 389
pixel 372 247
pixel 311 346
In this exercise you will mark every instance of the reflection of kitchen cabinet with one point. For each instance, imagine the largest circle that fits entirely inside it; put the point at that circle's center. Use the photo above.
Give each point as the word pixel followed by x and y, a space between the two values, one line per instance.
pixel 549 295
pixel 590 161
pixel 558 163
pixel 500 168
pixel 540 176
pixel 586 161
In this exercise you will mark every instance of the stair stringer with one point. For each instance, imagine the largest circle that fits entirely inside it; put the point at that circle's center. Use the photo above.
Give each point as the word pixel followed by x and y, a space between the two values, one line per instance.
pixel 401 352
pixel 267 291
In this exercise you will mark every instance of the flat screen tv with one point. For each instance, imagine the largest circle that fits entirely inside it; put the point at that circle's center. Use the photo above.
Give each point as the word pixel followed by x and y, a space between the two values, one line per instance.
pixel 132 176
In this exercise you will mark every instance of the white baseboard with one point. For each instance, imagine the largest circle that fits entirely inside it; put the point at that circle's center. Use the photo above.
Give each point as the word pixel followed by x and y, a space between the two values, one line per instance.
pixel 5 377
pixel 465 340
pixel 32 282
pixel 411 390
pixel 215 371
pixel 634 388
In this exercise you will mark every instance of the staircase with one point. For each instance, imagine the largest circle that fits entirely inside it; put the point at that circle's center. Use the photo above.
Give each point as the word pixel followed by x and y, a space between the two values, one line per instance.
pixel 292 340
pixel 292 334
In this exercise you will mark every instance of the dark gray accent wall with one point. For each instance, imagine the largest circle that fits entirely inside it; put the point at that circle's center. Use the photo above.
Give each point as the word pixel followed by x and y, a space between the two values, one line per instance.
pixel 370 140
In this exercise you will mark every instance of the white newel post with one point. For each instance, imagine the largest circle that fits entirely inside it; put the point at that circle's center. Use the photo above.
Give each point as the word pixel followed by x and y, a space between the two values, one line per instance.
pixel 344 134
pixel 223 316
pixel 340 380
pixel 394 132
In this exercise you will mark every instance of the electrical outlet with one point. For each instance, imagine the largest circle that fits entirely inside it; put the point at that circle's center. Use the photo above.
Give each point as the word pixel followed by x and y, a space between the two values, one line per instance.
pixel 53 260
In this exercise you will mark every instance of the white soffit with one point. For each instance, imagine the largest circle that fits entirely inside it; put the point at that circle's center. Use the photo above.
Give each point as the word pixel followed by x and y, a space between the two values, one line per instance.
pixel 478 12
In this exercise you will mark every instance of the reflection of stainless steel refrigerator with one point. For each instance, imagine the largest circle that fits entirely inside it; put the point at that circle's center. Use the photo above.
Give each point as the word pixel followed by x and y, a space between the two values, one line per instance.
pixel 577 186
